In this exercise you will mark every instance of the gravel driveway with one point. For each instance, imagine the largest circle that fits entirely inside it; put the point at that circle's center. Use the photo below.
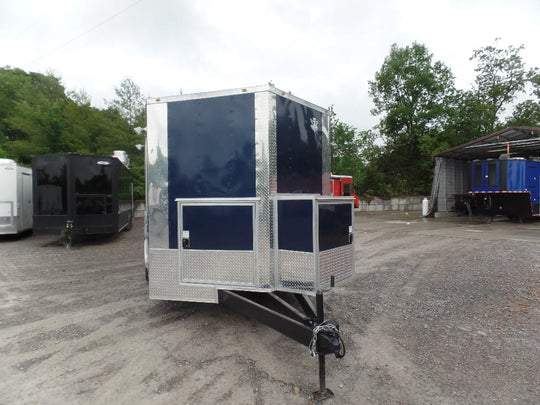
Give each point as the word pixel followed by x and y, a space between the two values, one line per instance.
pixel 441 311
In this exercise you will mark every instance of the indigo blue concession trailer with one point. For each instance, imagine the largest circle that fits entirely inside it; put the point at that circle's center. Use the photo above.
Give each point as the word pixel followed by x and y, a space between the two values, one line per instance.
pixel 239 210
pixel 78 195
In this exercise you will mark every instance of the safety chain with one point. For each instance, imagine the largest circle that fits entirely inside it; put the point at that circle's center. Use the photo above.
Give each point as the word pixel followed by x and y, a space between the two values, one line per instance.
pixel 326 326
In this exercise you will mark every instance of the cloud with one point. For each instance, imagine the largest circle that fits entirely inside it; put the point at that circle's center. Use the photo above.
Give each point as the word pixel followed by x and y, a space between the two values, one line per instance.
pixel 324 52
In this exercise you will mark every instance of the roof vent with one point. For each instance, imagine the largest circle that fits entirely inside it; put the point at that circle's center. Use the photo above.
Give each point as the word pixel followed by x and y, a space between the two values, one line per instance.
pixel 122 156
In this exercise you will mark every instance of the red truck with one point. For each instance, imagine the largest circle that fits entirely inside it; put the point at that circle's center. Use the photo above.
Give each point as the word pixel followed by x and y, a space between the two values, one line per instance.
pixel 344 186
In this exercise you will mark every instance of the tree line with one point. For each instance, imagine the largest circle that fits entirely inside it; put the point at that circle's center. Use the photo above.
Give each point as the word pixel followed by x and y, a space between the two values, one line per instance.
pixel 421 113
pixel 38 116
pixel 420 110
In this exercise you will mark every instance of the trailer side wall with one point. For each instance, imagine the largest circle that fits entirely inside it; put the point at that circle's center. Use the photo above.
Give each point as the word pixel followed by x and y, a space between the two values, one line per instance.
pixel 15 198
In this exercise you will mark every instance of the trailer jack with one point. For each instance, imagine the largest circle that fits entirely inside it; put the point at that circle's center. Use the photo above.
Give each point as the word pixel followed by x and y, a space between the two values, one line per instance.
pixel 306 324
pixel 68 233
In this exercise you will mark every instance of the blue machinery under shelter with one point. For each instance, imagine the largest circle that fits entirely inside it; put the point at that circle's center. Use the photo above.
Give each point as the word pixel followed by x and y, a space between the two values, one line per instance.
pixel 495 174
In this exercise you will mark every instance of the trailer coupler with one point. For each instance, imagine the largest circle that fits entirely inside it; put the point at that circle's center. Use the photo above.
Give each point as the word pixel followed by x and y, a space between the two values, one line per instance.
pixel 330 341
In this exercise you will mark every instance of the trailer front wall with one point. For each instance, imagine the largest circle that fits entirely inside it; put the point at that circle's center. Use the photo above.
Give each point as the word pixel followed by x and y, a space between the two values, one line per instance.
pixel 94 192
pixel 211 146
pixel 50 185
pixel 217 166
pixel 206 151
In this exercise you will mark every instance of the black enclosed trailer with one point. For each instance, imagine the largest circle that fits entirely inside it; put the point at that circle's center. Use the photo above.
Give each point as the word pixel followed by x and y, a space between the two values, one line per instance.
pixel 81 194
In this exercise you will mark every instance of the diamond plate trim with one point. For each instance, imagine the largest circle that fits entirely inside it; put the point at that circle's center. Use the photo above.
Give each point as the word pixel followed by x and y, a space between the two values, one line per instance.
pixel 296 271
pixel 338 262
pixel 218 267
pixel 265 177
pixel 164 281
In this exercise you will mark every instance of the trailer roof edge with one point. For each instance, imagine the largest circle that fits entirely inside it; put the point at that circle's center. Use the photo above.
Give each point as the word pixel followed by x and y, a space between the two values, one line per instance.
pixel 229 92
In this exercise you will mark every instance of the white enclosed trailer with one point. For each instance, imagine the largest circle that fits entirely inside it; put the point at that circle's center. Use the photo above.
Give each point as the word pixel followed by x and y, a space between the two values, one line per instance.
pixel 15 197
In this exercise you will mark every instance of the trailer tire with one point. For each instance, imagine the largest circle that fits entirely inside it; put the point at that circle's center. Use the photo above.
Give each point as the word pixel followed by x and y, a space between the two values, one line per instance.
pixel 146 275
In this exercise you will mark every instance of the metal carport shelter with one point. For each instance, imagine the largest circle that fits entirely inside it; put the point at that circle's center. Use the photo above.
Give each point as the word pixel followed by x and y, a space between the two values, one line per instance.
pixel 451 166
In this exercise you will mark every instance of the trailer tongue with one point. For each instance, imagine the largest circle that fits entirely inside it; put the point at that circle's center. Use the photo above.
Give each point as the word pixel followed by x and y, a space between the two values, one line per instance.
pixel 239 210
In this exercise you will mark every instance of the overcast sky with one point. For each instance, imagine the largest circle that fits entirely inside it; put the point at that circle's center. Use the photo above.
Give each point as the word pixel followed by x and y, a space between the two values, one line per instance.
pixel 322 51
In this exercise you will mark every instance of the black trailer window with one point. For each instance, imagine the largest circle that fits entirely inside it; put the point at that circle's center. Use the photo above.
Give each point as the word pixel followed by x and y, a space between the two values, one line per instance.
pixel 335 221
pixel 219 227
pixel 50 173
pixel 492 174
pixel 93 185
pixel 477 175
pixel 295 225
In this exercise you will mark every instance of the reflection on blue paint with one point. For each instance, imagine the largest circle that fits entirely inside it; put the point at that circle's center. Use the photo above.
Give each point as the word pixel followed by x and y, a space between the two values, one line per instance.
pixel 299 148
pixel 211 144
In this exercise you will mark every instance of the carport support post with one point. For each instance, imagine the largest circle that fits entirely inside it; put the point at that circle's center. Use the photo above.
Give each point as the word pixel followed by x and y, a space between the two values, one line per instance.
pixel 323 392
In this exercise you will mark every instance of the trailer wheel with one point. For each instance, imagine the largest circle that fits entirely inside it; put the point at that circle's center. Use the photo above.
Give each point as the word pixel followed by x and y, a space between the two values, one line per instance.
pixel 146 274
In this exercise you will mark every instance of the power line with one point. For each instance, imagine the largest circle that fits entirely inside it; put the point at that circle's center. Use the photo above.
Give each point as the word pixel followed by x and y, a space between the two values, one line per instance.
pixel 95 27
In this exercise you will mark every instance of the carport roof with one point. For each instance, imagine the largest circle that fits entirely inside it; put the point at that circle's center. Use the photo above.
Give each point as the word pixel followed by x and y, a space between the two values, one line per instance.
pixel 521 141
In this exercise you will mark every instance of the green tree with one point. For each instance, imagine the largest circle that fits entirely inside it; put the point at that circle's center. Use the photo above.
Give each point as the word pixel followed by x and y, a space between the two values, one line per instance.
pixel 80 97
pixel 534 80
pixel 526 113
pixel 351 150
pixel 500 78
pixel 37 117
pixel 468 120
pixel 129 102
pixel 31 113
pixel 413 94
pixel 347 152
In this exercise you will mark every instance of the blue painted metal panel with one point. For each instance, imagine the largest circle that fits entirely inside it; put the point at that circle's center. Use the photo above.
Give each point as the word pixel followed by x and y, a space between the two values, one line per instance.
pixel 533 183
pixel 516 180
pixel 219 227
pixel 334 223
pixel 295 225
pixel 211 150
pixel 299 148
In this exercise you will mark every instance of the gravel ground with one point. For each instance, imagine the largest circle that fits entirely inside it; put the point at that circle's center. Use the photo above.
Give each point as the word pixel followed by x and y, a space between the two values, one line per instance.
pixel 440 311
